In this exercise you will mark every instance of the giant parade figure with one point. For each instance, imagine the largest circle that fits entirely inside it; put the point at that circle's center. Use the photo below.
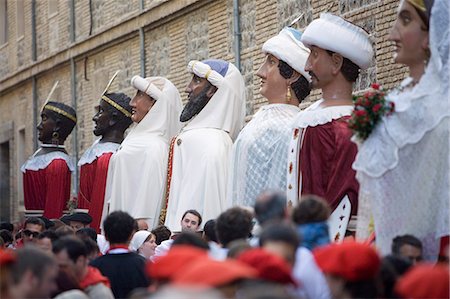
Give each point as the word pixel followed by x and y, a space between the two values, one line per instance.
pixel 403 167
pixel 112 118
pixel 321 153
pixel 260 152
pixel 136 180
pixel 199 155
pixel 47 174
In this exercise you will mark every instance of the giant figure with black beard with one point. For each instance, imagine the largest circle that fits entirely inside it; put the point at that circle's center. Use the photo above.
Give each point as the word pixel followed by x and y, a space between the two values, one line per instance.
pixel 199 154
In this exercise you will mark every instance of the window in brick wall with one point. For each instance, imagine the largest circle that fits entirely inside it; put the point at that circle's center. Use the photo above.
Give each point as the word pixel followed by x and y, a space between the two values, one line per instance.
pixel 52 7
pixel 20 18
pixel 3 22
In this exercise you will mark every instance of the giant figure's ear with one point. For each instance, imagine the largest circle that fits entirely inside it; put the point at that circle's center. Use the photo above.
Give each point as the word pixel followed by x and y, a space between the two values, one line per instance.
pixel 337 61
pixel 295 76
pixel 211 91
pixel 114 118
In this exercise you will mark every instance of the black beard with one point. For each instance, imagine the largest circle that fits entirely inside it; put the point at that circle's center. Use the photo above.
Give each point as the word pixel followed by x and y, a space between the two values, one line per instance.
pixel 195 105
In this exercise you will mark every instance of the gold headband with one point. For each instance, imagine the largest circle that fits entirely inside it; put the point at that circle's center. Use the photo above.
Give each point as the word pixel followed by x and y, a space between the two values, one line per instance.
pixel 60 111
pixel 115 105
pixel 419 4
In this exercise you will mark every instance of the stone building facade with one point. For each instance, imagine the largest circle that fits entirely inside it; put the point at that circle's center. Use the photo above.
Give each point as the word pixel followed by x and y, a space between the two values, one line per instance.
pixel 82 43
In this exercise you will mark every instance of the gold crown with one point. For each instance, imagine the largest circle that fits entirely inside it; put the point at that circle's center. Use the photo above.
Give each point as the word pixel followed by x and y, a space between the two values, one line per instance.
pixel 419 4
pixel 115 105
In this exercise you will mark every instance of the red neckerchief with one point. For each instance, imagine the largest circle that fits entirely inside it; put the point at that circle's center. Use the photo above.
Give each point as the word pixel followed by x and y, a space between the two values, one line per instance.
pixel 93 277
pixel 118 246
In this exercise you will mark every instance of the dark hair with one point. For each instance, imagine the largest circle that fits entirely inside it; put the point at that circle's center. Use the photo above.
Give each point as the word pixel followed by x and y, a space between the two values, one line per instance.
pixel 161 233
pixel 7 225
pixel 74 247
pixel 279 232
pixel 270 206
pixel 311 209
pixel 91 246
pixel 392 267
pixel 6 235
pixel 88 232
pixel 66 125
pixel 36 221
pixel 123 101
pixel 48 234
pixel 362 288
pixel 399 241
pixel 301 87
pixel 193 212
pixel 210 231
pixel 33 259
pixel 64 231
pixel 190 238
pixel 233 224
pixel 119 227
pixel 349 69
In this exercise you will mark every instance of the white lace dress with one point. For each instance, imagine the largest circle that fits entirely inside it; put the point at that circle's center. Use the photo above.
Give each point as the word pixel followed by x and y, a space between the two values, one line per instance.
pixel 403 167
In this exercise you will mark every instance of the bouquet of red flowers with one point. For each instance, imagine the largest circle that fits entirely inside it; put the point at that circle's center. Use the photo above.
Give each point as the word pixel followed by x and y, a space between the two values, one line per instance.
pixel 369 109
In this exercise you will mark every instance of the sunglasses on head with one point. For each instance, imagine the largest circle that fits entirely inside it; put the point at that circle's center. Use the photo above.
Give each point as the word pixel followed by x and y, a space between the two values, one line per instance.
pixel 29 233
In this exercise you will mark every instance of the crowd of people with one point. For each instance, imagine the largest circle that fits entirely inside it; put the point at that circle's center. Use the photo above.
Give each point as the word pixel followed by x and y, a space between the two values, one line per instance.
pixel 180 202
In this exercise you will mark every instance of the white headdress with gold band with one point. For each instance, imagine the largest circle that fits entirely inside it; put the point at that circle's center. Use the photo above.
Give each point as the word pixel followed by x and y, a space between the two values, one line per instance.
pixel 333 33
pixel 205 71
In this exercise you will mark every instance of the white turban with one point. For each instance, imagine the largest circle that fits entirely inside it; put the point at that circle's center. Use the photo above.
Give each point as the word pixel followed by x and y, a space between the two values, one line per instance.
pixel 335 34
pixel 287 46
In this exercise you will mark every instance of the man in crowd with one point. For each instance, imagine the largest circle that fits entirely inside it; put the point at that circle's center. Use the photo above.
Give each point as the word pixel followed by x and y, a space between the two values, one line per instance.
pixel 32 228
pixel 112 118
pixel 71 254
pixel 33 274
pixel 190 222
pixel 407 246
pixel 77 220
pixel 124 269
pixel 321 153
pixel 199 155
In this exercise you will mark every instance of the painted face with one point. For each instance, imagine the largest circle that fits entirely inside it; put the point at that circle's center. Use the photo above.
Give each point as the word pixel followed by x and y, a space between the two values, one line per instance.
pixel 319 66
pixel 141 105
pixel 410 37
pixel 199 92
pixel 101 118
pixel 46 127
pixel 190 222
pixel 273 85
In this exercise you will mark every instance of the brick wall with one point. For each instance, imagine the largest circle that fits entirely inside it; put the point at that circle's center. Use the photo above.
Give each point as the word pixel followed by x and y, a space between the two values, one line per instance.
pixel 107 39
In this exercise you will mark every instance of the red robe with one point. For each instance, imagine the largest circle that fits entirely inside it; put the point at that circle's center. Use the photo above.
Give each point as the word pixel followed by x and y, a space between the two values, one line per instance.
pixel 47 188
pixel 326 159
pixel 93 172
pixel 91 194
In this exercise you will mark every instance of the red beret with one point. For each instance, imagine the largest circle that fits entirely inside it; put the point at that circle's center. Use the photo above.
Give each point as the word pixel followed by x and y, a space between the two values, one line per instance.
pixel 424 281
pixel 269 266
pixel 212 273
pixel 7 256
pixel 178 257
pixel 350 260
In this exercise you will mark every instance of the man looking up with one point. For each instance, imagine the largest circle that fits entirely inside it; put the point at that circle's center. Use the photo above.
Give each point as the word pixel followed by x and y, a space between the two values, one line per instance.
pixel 198 167
pixel 112 118
pixel 321 153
